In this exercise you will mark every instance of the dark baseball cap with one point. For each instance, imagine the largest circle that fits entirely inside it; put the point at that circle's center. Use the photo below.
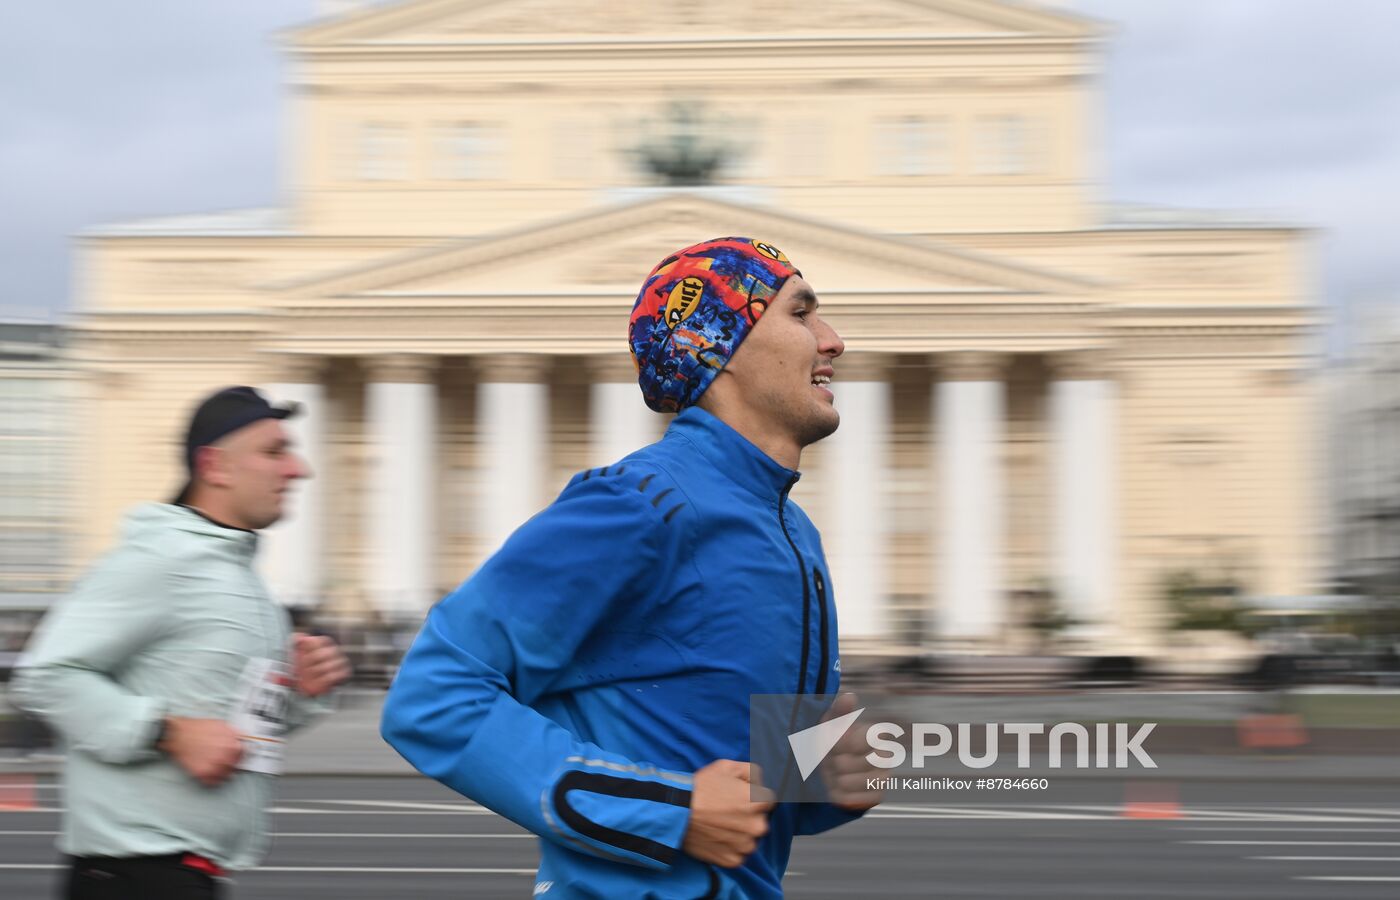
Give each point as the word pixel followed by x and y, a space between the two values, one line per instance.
pixel 222 413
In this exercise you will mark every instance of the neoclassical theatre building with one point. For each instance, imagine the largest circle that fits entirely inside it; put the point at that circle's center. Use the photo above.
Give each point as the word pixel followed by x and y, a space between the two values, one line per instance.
pixel 1042 392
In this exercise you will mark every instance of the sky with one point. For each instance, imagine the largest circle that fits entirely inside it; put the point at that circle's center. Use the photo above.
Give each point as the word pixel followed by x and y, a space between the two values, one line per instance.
pixel 141 108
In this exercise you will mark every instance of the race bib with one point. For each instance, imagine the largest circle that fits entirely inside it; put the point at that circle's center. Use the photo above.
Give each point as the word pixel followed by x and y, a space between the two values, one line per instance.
pixel 260 716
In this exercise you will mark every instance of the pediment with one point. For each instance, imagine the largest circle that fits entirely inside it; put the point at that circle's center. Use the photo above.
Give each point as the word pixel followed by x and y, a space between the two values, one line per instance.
pixel 607 253
pixel 469 21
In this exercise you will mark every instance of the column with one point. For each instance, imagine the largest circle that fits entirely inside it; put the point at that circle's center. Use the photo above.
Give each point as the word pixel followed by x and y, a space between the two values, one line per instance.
pixel 857 470
pixel 1083 466
pixel 290 553
pixel 401 426
pixel 620 420
pixel 970 412
pixel 513 431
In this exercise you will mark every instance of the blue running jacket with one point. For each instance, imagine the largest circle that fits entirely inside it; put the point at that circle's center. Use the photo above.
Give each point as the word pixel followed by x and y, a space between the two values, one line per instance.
pixel 608 651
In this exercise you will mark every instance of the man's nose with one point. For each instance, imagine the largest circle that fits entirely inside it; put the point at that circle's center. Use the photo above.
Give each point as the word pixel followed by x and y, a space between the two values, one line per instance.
pixel 831 343
pixel 302 469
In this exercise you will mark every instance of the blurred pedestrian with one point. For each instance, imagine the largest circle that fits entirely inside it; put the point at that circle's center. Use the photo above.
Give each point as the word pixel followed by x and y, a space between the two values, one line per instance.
pixel 591 681
pixel 172 677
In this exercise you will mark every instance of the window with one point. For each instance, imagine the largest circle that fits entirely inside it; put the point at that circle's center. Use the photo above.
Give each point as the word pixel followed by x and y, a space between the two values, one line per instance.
pixel 381 152
pixel 467 151
pixel 1007 145
pixel 913 145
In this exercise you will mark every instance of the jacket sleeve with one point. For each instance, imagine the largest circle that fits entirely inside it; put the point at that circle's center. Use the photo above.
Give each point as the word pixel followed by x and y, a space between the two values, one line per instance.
pixel 67 673
pixel 460 708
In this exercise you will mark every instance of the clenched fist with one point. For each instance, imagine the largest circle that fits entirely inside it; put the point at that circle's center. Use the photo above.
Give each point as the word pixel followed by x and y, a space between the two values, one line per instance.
pixel 846 771
pixel 208 749
pixel 725 822
pixel 318 665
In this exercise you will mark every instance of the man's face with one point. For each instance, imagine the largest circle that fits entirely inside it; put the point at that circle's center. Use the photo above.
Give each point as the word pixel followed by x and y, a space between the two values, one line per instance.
pixel 783 366
pixel 255 466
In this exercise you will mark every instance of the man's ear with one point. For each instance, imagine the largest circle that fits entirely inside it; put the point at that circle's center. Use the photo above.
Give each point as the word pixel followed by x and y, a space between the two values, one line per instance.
pixel 209 466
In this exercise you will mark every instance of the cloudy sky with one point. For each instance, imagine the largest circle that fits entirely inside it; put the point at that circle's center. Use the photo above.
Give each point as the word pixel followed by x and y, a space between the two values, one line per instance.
pixel 158 107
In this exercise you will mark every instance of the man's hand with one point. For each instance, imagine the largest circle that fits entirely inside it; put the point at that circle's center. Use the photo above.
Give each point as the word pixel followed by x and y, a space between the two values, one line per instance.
pixel 208 749
pixel 846 771
pixel 318 665
pixel 725 822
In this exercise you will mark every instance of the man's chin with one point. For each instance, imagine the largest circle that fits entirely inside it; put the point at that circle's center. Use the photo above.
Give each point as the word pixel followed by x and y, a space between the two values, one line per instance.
pixel 822 426
pixel 270 519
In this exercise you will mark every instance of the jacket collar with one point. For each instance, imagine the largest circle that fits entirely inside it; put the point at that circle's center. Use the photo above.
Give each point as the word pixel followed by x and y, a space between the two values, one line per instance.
pixel 193 521
pixel 213 521
pixel 731 454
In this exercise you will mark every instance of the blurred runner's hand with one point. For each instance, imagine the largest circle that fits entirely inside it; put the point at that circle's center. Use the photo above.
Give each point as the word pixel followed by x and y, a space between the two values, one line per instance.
pixel 208 749
pixel 725 822
pixel 318 665
pixel 846 772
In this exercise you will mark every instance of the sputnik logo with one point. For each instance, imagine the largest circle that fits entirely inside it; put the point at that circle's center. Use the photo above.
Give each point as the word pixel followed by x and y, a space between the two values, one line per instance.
pixel 811 745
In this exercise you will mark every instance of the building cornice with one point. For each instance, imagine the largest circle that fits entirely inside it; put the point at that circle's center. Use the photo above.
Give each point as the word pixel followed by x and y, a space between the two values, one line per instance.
pixel 691 48
pixel 955 18
pixel 942 261
pixel 590 81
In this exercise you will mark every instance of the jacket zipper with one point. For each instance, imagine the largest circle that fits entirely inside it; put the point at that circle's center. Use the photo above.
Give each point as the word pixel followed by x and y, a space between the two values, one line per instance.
pixel 820 583
pixel 806 591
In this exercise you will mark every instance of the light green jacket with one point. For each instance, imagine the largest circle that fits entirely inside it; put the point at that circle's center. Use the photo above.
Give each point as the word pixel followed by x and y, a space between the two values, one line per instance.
pixel 161 626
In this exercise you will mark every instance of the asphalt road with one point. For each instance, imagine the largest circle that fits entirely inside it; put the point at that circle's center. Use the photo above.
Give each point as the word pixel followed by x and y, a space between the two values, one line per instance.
pixel 391 838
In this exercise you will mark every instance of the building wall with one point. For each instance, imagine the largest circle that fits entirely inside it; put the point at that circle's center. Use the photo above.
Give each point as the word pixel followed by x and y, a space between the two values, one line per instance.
pixel 1000 113
pixel 38 500
pixel 1364 419
pixel 415 144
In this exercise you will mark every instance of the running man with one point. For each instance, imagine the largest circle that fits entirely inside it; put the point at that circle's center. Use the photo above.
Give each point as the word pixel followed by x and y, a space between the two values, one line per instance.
pixel 591 681
pixel 171 676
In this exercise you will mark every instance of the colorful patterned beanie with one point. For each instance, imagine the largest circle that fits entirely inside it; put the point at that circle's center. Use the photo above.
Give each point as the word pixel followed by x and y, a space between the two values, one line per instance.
pixel 694 309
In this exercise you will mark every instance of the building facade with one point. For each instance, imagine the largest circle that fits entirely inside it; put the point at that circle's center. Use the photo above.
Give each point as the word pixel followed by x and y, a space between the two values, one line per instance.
pixel 1041 391
pixel 1364 407
pixel 38 502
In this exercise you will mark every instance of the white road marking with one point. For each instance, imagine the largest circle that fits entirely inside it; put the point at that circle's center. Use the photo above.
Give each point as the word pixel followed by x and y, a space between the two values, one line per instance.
pixel 1225 815
pixel 392 804
pixel 392 870
pixel 1346 878
pixel 295 811
pixel 352 870
pixel 975 813
pixel 1245 815
pixel 338 834
pixel 1010 817
pixel 1301 843
pixel 359 834
pixel 1373 859
pixel 1328 829
pixel 1104 812
pixel 1362 811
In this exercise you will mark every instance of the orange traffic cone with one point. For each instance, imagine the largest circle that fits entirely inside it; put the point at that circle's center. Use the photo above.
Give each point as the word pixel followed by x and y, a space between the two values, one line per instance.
pixel 1151 801
pixel 17 792
pixel 1278 732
